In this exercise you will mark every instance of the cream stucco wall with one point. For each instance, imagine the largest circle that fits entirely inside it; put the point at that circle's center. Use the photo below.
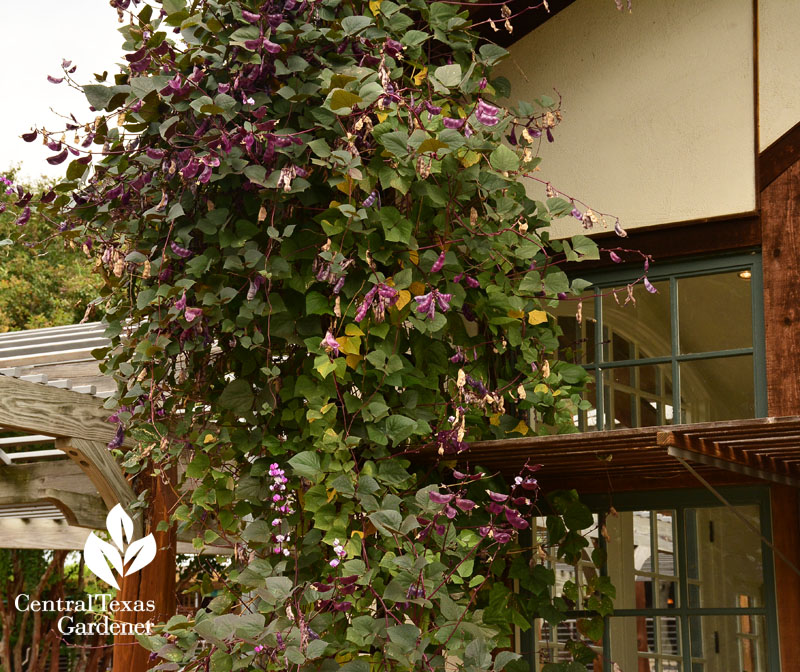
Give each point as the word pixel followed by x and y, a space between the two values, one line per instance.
pixel 778 61
pixel 658 107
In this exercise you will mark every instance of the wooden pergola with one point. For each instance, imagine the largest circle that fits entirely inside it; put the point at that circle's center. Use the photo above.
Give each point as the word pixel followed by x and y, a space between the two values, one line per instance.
pixel 732 452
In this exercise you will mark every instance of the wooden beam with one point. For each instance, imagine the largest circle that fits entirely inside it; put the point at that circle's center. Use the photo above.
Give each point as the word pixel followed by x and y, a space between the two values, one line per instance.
pixel 96 461
pixel 41 534
pixel 778 157
pixel 41 409
pixel 62 483
pixel 780 214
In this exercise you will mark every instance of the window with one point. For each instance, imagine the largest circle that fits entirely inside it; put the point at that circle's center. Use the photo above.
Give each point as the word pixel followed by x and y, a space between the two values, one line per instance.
pixel 692 352
pixel 694 586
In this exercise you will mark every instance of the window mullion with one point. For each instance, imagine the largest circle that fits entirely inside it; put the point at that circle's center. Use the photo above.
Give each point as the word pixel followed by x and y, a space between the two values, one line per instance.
pixel 677 414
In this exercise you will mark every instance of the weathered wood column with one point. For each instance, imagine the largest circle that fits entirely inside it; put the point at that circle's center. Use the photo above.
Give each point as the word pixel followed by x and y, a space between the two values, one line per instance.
pixel 780 232
pixel 156 581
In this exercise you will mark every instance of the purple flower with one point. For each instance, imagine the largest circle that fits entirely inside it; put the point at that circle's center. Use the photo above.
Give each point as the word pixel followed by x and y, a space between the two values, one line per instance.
pixel 577 214
pixel 180 304
pixel 330 343
pixel 649 286
pixel 191 314
pixel 482 84
pixel 486 114
pixel 438 264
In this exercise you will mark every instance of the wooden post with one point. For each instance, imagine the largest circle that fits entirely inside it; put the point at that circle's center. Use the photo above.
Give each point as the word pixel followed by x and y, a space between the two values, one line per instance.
pixel 156 581
pixel 780 234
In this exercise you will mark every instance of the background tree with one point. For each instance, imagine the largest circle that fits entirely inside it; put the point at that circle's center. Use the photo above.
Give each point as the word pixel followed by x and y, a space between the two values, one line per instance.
pixel 43 282
pixel 321 266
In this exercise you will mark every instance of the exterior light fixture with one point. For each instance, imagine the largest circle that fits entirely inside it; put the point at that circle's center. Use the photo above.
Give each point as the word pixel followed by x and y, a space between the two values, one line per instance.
pixel 745 274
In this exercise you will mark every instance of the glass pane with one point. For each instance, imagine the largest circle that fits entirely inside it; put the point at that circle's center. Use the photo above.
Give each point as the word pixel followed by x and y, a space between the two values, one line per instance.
pixel 715 312
pixel 646 643
pixel 576 343
pixel 642 583
pixel 636 330
pixel 727 556
pixel 717 389
pixel 638 396
pixel 724 643
pixel 551 643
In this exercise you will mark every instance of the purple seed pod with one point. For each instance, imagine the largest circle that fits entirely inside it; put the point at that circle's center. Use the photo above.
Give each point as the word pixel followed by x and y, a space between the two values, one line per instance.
pixel 550 137
pixel 450 122
pixel 58 158
pixel 118 439
pixel 562 296
pixel 250 17
pixel 369 201
pixel 182 252
pixel 483 83
pixel 647 264
pixel 649 286
pixel 338 286
pixel 22 220
pixel 615 257
pixel 54 80
pixel 619 230
pixel 30 137
pixel 438 264
pixel 439 498
pixel 473 282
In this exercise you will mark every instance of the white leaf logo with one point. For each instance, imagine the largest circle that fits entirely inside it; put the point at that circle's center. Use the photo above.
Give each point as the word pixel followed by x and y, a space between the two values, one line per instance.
pixel 101 557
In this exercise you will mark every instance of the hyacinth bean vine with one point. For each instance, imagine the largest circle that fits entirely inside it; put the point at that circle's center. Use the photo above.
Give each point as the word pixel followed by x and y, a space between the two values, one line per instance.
pixel 321 265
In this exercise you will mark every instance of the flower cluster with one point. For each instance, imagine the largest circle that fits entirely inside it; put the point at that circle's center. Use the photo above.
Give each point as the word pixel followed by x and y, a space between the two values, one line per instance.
pixel 8 184
pixel 386 296
pixel 281 505
pixel 427 303
pixel 340 553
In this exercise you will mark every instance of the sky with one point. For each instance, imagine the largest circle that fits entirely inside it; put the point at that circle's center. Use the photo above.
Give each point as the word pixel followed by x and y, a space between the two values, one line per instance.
pixel 35 35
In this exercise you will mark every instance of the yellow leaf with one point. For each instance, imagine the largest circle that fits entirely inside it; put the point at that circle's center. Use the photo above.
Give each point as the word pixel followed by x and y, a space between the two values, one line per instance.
pixel 403 298
pixel 382 116
pixel 521 428
pixel 353 330
pixel 353 360
pixel 326 408
pixel 208 438
pixel 470 158
pixel 417 288
pixel 420 76
pixel 345 187
pixel 375 7
pixel 358 533
pixel 350 345
pixel 495 419
pixel 331 494
pixel 537 317
pixel 519 314
pixel 413 255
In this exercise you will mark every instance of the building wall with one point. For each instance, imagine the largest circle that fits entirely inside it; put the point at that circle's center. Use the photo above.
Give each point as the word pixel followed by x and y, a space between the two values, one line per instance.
pixel 659 122
pixel 778 58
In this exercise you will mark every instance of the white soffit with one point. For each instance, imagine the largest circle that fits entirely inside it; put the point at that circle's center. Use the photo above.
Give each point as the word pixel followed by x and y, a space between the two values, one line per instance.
pixel 658 107
pixel 778 59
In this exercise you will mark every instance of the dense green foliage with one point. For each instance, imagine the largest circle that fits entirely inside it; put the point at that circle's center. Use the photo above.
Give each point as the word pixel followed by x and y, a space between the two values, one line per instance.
pixel 323 272
pixel 43 283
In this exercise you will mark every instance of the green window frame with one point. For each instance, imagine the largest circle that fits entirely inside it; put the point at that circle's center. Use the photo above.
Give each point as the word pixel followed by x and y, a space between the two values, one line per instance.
pixel 672 272
pixel 680 501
